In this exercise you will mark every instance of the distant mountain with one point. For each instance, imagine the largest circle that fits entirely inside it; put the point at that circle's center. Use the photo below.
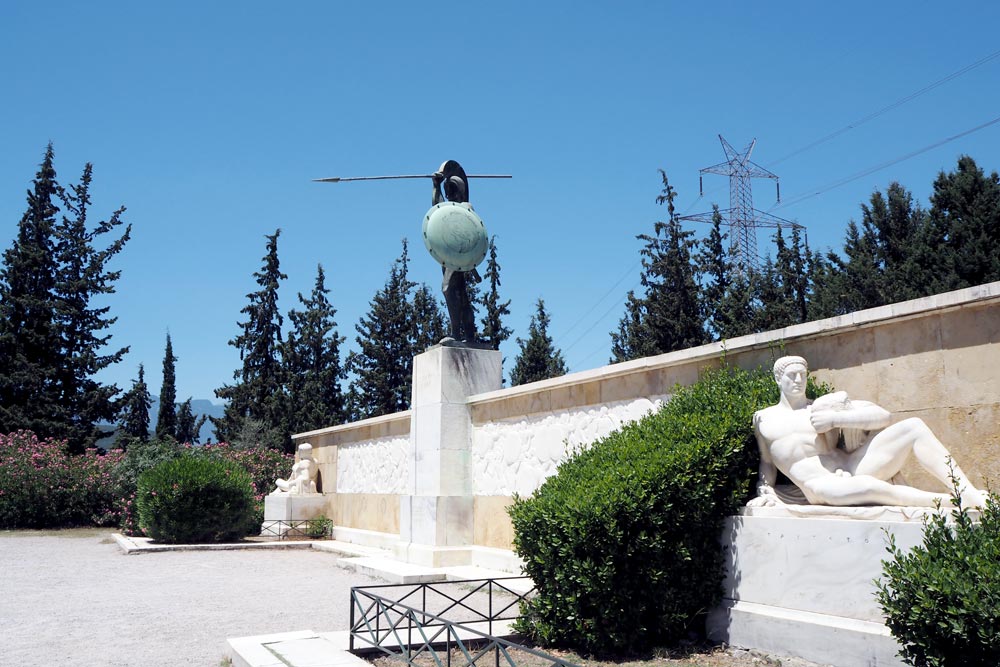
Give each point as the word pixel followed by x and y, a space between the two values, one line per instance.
pixel 199 406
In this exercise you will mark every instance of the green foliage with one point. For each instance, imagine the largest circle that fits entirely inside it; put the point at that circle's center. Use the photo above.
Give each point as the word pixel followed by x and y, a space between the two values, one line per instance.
pixel 538 359
pixel 668 316
pixel 51 336
pixel 319 528
pixel 134 424
pixel 196 500
pixel 138 458
pixel 404 319
pixel 312 362
pixel 259 392
pixel 42 486
pixel 189 426
pixel 493 330
pixel 623 541
pixel 941 599
pixel 166 420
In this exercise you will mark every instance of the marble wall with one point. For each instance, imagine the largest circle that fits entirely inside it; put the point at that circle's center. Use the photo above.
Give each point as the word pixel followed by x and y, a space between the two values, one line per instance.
pixel 378 466
pixel 516 455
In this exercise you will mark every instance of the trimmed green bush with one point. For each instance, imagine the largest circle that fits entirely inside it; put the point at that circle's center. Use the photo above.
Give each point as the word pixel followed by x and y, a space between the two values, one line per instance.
pixel 623 542
pixel 942 599
pixel 196 499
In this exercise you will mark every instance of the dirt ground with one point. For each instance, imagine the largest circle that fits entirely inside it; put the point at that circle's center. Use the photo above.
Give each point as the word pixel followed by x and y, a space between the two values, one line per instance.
pixel 71 597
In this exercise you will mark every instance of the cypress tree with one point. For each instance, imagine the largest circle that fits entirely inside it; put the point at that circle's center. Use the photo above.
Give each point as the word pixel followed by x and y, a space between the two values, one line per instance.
pixel 258 393
pixel 81 276
pixel 312 362
pixel 669 315
pixel 29 337
pixel 493 330
pixel 189 426
pixel 428 321
pixel 382 366
pixel 134 424
pixel 713 264
pixel 965 214
pixel 538 359
pixel 166 421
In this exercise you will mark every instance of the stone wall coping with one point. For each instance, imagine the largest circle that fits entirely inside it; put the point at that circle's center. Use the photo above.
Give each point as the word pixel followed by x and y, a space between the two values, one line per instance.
pixel 384 423
pixel 924 306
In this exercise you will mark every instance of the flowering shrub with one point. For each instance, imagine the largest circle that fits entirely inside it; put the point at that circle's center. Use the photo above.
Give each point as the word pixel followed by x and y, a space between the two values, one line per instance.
pixel 41 486
pixel 196 499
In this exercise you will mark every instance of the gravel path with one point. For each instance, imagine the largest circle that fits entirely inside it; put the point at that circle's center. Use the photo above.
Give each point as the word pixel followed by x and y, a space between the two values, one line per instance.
pixel 72 598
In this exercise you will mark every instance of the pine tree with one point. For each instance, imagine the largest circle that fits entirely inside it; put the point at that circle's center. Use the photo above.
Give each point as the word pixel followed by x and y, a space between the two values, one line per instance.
pixel 29 337
pixel 493 330
pixel 713 264
pixel 669 315
pixel 189 426
pixel 258 393
pixel 312 362
pixel 134 424
pixel 382 366
pixel 166 421
pixel 538 358
pixel 965 214
pixel 82 277
pixel 427 318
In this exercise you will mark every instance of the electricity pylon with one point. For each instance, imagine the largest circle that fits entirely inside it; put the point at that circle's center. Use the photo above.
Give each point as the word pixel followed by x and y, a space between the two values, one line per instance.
pixel 741 217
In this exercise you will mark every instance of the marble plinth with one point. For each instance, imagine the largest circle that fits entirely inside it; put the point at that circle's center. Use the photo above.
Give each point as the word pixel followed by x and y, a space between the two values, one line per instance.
pixel 804 585
pixel 291 507
pixel 436 509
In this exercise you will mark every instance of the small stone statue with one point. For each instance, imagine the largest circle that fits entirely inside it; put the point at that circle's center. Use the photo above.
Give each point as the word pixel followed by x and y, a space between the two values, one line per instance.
pixel 844 452
pixel 303 477
pixel 456 295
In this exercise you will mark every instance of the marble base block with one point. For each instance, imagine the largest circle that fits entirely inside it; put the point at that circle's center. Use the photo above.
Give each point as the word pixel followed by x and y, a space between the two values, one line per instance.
pixel 805 587
pixel 291 507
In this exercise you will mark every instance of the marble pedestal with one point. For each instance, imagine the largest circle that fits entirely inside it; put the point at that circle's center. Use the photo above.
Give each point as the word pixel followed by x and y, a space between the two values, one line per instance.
pixel 435 512
pixel 290 507
pixel 803 585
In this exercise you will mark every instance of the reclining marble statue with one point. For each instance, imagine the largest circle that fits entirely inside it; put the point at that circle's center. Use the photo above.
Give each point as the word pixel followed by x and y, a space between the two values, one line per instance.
pixel 303 477
pixel 845 452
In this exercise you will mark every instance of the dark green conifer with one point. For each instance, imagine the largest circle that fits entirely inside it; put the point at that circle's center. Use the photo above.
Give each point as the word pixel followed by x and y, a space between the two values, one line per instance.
pixel 189 426
pixel 382 366
pixel 81 278
pixel 312 362
pixel 493 330
pixel 134 424
pixel 166 421
pixel 538 358
pixel 258 393
pixel 669 314
pixel 29 336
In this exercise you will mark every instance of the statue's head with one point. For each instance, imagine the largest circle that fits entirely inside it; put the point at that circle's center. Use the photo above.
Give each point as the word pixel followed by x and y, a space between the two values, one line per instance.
pixel 305 451
pixel 790 374
pixel 455 189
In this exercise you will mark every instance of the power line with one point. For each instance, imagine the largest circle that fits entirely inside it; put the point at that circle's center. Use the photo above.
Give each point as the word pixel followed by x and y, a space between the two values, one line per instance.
pixel 625 275
pixel 871 170
pixel 897 103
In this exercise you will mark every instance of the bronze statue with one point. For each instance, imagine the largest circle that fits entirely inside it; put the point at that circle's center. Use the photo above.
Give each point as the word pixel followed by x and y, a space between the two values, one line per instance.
pixel 454 284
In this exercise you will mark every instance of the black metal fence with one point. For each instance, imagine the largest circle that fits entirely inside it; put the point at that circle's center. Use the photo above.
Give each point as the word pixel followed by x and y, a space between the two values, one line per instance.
pixel 308 529
pixel 397 620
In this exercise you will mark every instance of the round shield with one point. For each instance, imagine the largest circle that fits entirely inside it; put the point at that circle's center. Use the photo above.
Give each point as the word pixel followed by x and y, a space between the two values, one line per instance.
pixel 455 235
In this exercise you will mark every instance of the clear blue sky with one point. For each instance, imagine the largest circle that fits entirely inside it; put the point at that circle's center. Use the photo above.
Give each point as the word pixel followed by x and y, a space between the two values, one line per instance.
pixel 208 120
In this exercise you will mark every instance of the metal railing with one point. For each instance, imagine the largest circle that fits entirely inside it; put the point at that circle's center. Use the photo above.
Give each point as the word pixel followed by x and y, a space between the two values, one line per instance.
pixel 403 626
pixel 309 529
